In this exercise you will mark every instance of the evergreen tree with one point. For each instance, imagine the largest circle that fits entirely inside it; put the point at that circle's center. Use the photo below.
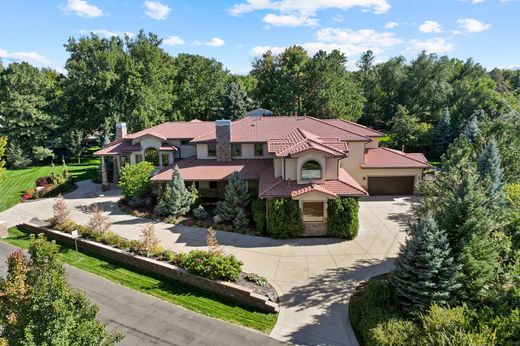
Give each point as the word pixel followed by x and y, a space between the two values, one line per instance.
pixel 241 221
pixel 236 197
pixel 176 198
pixel 425 272
pixel 490 167
pixel 442 133
pixel 472 129
pixel 234 105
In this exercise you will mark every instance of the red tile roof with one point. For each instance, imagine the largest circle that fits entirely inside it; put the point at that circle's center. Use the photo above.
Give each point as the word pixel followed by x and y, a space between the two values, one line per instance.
pixel 355 127
pixel 119 147
pixel 299 140
pixel 177 130
pixel 260 129
pixel 193 169
pixel 345 185
pixel 390 158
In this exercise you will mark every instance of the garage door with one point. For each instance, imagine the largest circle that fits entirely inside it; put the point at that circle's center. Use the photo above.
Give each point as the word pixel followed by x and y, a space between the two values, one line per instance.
pixel 390 185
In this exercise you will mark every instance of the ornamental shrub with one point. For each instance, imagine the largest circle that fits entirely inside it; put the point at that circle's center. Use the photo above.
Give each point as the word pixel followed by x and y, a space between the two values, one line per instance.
pixel 342 217
pixel 135 179
pixel 176 199
pixel 284 218
pixel 236 198
pixel 211 265
pixel 258 213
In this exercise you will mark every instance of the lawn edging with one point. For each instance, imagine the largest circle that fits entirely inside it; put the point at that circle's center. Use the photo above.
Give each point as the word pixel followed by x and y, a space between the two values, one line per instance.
pixel 229 290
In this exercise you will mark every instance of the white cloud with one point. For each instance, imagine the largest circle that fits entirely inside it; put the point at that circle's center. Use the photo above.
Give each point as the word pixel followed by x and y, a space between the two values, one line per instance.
pixel 156 10
pixel 81 8
pixel 391 25
pixel 347 41
pixel 433 45
pixel 24 56
pixel 430 26
pixel 473 1
pixel 308 6
pixel 107 33
pixel 472 25
pixel 290 20
pixel 214 42
pixel 173 41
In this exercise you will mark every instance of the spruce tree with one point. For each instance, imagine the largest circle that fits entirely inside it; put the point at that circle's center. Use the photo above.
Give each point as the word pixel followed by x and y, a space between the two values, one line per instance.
pixel 176 199
pixel 236 197
pixel 490 167
pixel 472 129
pixel 425 272
pixel 442 133
pixel 241 221
pixel 234 102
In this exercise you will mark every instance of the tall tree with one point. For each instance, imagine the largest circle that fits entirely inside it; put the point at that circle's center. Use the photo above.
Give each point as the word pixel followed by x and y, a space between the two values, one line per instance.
pixel 24 99
pixel 425 272
pixel 330 92
pixel 442 133
pixel 39 308
pixel 176 199
pixel 264 71
pixel 199 86
pixel 236 199
pixel 472 129
pixel 490 167
pixel 290 87
pixel 234 105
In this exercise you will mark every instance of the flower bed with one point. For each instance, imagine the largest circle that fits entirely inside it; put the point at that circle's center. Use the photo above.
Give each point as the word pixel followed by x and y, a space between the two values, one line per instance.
pixel 50 186
pixel 231 290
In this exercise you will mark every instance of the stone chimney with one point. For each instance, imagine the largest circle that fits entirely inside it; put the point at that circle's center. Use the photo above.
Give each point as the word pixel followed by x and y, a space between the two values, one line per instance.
pixel 120 130
pixel 223 136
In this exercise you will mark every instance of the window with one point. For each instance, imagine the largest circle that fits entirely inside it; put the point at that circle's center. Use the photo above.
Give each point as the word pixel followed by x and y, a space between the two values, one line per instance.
pixel 236 149
pixel 313 211
pixel 212 149
pixel 212 184
pixel 138 158
pixel 152 155
pixel 124 160
pixel 311 170
pixel 185 141
pixel 259 149
pixel 165 159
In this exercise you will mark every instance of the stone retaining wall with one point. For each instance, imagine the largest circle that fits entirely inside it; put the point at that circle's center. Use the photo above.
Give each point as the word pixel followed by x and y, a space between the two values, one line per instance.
pixel 226 289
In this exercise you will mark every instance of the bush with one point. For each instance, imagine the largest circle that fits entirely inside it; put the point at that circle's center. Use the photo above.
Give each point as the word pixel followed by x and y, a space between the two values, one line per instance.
pixel 16 156
pixel 258 213
pixel 285 219
pixel 42 181
pixel 211 265
pixel 342 217
pixel 41 153
pixel 257 279
pixel 200 213
pixel 135 179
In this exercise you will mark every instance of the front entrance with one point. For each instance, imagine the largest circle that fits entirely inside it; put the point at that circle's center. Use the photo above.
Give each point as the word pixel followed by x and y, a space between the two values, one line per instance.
pixel 314 218
pixel 391 185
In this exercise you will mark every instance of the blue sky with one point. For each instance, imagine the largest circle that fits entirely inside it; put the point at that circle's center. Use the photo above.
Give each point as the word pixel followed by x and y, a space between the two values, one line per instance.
pixel 235 31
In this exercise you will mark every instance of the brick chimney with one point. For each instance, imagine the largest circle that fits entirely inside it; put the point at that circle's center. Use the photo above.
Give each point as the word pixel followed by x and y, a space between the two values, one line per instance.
pixel 223 136
pixel 120 130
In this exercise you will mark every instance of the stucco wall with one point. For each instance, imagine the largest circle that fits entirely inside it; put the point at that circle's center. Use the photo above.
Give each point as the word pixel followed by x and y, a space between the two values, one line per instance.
pixel 291 170
pixel 372 145
pixel 331 169
pixel 315 156
pixel 355 157
pixel 277 166
pixel 202 152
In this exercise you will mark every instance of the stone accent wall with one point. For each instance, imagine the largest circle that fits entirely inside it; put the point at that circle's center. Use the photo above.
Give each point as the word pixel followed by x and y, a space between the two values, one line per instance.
pixel 314 229
pixel 228 290
pixel 120 130
pixel 223 136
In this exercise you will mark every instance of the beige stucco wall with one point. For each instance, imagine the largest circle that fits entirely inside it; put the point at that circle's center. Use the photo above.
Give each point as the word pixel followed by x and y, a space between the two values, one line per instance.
pixel 291 170
pixel 314 155
pixel 277 166
pixel 355 157
pixel 373 144
pixel 331 168
pixel 202 152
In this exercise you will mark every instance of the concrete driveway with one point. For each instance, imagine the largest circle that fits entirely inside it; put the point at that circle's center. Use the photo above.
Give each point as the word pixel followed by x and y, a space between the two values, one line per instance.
pixel 314 277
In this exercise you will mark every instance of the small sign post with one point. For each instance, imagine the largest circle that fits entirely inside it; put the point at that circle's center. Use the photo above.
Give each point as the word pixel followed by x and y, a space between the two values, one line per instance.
pixel 75 236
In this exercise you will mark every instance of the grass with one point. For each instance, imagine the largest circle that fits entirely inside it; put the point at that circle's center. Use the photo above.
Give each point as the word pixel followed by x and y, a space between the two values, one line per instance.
pixel 19 180
pixel 168 290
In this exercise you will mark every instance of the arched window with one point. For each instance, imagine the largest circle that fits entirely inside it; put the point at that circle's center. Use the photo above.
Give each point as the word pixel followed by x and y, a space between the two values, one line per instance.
pixel 311 170
pixel 152 155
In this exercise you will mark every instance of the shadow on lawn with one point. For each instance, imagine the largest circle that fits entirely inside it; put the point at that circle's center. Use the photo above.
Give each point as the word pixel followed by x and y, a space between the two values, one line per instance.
pixel 328 294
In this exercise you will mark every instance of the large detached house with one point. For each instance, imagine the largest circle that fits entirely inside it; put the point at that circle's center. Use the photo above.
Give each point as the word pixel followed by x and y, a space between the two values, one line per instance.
pixel 300 157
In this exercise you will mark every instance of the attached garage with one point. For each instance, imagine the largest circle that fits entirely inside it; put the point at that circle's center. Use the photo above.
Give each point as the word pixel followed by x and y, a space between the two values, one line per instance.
pixel 400 185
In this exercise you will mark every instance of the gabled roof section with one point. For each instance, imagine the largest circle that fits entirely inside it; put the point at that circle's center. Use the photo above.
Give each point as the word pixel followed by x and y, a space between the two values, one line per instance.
pixel 299 140
pixel 119 147
pixel 260 129
pixel 355 127
pixel 390 158
pixel 176 130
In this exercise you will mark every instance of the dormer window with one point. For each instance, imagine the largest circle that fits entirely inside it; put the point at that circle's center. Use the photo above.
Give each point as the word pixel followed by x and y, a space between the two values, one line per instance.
pixel 311 170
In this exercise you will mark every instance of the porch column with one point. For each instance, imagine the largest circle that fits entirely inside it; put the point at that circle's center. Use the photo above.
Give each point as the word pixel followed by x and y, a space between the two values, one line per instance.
pixel 116 169
pixel 104 174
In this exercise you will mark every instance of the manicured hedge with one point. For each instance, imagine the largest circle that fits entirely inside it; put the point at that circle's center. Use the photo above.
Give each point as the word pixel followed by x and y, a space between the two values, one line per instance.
pixel 210 264
pixel 258 214
pixel 284 218
pixel 342 217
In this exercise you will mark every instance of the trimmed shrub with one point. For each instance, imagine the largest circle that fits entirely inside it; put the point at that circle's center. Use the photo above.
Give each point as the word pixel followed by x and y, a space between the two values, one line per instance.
pixel 258 214
pixel 42 181
pixel 284 218
pixel 211 265
pixel 135 179
pixel 200 213
pixel 342 217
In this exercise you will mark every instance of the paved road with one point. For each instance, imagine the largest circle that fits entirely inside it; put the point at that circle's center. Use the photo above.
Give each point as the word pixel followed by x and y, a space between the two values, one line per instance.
pixel 148 321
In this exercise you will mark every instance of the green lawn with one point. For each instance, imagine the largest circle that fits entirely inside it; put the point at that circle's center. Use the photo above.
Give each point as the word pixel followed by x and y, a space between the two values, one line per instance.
pixel 168 290
pixel 19 180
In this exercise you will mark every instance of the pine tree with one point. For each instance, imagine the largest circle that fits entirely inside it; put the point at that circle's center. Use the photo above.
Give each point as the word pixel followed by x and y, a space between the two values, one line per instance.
pixel 176 199
pixel 442 133
pixel 241 221
pixel 425 272
pixel 234 102
pixel 489 166
pixel 236 197
pixel 472 129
